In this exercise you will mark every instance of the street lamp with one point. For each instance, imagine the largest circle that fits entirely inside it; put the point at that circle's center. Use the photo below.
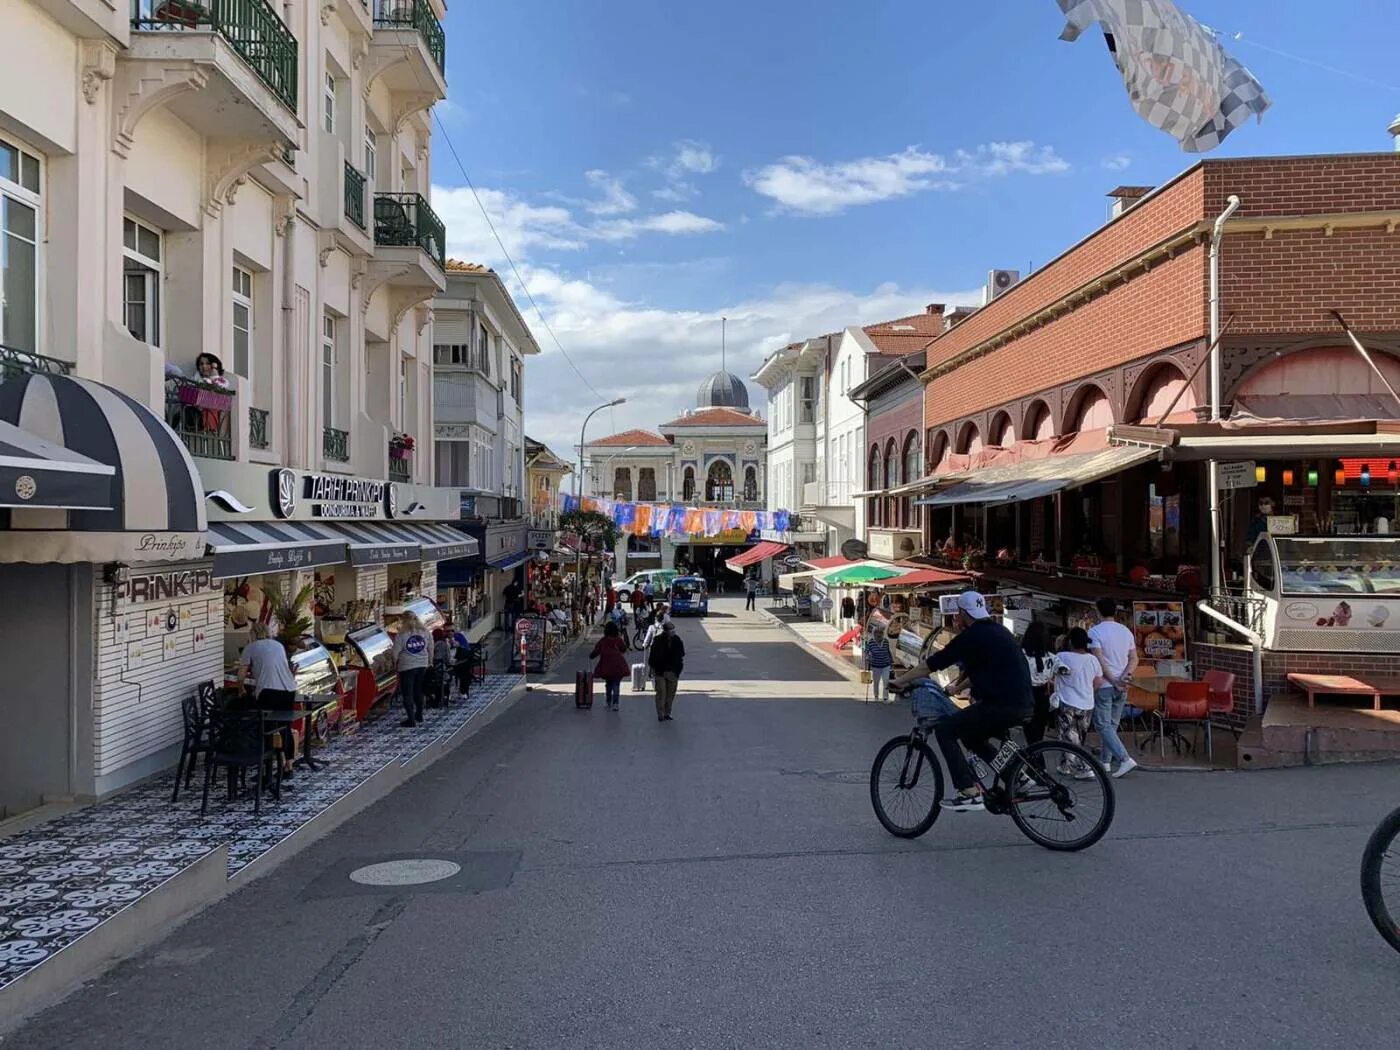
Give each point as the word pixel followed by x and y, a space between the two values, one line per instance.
pixel 604 464
pixel 578 491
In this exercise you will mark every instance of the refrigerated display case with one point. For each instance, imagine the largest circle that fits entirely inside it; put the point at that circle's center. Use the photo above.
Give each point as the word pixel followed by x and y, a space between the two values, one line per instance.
pixel 1333 593
pixel 370 652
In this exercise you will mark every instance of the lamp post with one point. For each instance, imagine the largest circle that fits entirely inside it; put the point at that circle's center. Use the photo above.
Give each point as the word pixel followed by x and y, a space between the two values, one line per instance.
pixel 578 491
pixel 604 465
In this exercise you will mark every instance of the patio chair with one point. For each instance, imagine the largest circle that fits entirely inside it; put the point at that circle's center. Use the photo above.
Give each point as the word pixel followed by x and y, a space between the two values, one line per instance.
pixel 194 714
pixel 1186 702
pixel 236 742
pixel 1221 694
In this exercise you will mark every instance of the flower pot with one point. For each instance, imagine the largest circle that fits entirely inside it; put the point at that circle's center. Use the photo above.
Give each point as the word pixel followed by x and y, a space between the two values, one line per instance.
pixel 202 397
pixel 399 452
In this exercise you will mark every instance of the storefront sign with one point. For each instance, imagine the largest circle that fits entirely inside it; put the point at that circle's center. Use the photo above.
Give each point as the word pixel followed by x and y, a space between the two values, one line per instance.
pixel 330 495
pixel 540 539
pixel 1236 475
pixel 164 586
pixel 1160 630
pixel 384 554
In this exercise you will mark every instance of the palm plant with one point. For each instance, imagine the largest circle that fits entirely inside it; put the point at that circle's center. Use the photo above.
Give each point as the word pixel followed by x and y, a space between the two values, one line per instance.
pixel 293 616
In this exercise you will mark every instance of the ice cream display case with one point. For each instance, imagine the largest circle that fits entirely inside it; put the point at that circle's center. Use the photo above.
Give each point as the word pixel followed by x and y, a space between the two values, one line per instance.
pixel 1328 593
pixel 370 652
pixel 427 611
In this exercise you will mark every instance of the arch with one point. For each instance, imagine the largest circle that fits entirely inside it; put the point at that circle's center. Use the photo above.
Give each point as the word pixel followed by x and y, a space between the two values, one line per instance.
pixel 688 483
pixel 1324 370
pixel 911 468
pixel 891 476
pixel 646 484
pixel 1039 423
pixel 969 438
pixel 938 447
pixel 750 484
pixel 1089 409
pixel 622 483
pixel 719 482
pixel 873 469
pixel 1002 432
pixel 1155 391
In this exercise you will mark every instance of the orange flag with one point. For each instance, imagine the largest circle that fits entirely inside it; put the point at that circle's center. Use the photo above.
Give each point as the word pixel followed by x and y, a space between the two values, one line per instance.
pixel 747 519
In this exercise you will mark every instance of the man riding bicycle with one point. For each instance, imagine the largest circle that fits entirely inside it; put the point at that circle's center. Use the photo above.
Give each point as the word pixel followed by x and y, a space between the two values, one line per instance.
pixel 1000 681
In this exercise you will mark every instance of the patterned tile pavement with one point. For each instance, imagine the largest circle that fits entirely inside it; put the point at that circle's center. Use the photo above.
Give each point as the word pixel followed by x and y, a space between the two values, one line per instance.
pixel 62 879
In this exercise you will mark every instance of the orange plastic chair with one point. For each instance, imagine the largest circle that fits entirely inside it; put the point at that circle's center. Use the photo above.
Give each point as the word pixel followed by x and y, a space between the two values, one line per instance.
pixel 1187 702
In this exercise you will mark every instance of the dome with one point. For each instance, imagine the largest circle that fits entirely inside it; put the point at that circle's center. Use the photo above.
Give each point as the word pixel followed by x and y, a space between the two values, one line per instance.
pixel 723 390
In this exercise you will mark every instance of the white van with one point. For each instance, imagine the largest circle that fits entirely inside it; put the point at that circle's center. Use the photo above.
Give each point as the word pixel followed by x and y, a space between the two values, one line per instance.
pixel 660 580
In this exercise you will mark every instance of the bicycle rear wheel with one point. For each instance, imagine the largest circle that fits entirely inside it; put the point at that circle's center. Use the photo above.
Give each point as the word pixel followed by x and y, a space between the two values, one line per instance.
pixel 906 787
pixel 1059 796
pixel 1380 879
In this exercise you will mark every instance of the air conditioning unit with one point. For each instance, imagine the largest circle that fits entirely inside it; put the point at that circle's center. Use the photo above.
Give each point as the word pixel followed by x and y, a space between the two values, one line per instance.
pixel 999 281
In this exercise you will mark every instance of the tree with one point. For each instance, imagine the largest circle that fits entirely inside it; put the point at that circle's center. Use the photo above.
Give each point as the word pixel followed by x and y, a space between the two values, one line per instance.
pixel 595 531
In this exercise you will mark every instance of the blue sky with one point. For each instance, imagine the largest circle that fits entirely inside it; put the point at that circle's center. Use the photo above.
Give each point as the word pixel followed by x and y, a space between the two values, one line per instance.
pixel 804 166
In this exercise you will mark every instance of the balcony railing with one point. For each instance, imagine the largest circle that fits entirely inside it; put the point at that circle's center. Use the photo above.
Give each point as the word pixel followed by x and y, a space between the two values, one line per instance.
pixel 405 220
pixel 15 362
pixel 354 196
pixel 335 444
pixel 202 415
pixel 415 14
pixel 399 470
pixel 257 427
pixel 251 27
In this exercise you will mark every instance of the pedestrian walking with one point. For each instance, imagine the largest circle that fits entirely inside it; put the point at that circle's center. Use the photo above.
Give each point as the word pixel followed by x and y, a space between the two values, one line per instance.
pixel 848 611
pixel 648 592
pixel 611 653
pixel 878 662
pixel 1043 665
pixel 1117 651
pixel 1075 678
pixel 750 592
pixel 413 653
pixel 666 658
pixel 639 600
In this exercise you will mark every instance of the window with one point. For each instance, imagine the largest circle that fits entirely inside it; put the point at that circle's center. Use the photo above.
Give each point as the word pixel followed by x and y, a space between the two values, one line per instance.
pixel 452 354
pixel 751 484
pixel 329 103
pixel 403 394
pixel 807 399
pixel 719 483
pixel 19 248
pixel 141 280
pixel 482 360
pixel 371 156
pixel 688 484
pixel 622 483
pixel 328 413
pixel 646 483
pixel 515 378
pixel 242 321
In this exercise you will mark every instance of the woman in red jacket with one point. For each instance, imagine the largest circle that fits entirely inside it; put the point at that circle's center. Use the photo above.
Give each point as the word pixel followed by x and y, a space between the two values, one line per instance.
pixel 611 654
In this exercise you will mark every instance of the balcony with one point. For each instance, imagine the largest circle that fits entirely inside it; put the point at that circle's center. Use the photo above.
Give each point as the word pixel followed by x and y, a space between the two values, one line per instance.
pixel 400 452
pixel 257 428
pixel 202 415
pixel 335 445
pixel 410 249
pixel 354 196
pixel 237 54
pixel 409 49
pixel 15 363
pixel 399 470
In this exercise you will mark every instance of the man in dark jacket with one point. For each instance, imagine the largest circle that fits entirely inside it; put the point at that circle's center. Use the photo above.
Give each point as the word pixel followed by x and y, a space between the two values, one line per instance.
pixel 666 660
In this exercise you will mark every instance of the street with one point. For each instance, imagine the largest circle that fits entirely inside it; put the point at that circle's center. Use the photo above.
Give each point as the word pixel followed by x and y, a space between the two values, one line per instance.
pixel 720 880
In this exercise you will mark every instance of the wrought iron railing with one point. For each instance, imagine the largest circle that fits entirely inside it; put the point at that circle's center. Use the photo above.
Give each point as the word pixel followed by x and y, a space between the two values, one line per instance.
pixel 15 362
pixel 335 444
pixel 399 470
pixel 415 14
pixel 354 196
pixel 406 220
pixel 1246 611
pixel 257 427
pixel 202 415
pixel 251 27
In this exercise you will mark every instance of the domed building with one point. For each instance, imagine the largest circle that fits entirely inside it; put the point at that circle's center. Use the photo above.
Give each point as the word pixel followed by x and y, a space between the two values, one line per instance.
pixel 710 456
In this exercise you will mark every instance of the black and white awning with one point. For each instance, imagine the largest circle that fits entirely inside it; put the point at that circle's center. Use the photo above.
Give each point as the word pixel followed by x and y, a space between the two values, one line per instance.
pixel 156 510
pixel 254 547
pixel 389 542
pixel 38 473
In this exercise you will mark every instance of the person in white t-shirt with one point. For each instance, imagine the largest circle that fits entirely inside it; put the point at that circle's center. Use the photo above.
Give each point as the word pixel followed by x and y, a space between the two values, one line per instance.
pixel 1079 671
pixel 1117 651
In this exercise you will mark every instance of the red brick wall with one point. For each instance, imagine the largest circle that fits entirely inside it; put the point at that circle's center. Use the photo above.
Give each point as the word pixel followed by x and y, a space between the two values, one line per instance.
pixel 1278 666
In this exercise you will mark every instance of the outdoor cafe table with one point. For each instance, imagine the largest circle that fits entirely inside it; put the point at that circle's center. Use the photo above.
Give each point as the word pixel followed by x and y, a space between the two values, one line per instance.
pixel 1155 703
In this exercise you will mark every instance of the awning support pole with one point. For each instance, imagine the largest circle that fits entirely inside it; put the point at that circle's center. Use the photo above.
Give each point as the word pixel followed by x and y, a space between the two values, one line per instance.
pixel 1217 233
pixel 1364 355
pixel 1252 638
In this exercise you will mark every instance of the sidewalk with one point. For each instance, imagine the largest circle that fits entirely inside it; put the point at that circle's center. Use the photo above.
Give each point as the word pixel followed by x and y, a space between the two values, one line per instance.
pixel 819 638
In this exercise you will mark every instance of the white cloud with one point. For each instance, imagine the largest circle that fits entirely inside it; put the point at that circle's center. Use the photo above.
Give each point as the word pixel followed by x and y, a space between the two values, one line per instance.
pixel 808 187
pixel 685 159
pixel 1117 162
pixel 615 200
pixel 673 222
pixel 695 157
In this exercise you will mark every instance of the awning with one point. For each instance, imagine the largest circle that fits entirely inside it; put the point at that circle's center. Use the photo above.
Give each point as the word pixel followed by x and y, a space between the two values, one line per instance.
pixel 509 560
pixel 248 548
pixel 920 578
pixel 755 554
pixel 156 510
pixel 827 563
pixel 1039 477
pixel 437 540
pixel 38 473
pixel 372 542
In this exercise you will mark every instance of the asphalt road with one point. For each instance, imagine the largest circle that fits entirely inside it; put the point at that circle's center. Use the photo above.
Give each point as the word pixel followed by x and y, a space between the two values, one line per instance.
pixel 720 881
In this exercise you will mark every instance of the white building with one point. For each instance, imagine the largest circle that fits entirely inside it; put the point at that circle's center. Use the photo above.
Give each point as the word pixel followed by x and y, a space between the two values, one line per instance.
pixel 246 181
pixel 480 344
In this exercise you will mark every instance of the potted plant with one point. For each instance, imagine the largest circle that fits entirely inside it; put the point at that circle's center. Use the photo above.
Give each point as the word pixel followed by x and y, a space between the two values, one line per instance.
pixel 400 446
pixel 196 393
pixel 293 615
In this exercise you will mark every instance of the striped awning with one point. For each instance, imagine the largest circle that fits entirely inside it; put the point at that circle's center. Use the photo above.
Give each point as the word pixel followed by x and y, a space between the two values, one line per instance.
pixel 254 547
pixel 38 473
pixel 389 542
pixel 156 510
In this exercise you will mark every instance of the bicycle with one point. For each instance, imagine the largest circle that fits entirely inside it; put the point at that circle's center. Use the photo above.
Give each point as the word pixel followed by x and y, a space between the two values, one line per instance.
pixel 1380 878
pixel 1033 785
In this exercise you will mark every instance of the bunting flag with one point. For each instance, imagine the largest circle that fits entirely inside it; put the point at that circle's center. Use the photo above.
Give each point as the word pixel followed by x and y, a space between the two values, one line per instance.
pixel 713 522
pixel 780 520
pixel 730 520
pixel 694 523
pixel 747 520
pixel 642 523
pixel 675 520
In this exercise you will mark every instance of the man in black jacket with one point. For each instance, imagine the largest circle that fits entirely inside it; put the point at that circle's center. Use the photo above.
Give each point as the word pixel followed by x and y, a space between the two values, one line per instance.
pixel 667 660
pixel 1000 681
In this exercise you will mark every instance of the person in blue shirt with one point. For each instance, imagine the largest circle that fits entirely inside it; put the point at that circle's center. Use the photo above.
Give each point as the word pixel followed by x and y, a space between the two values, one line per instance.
pixel 879 662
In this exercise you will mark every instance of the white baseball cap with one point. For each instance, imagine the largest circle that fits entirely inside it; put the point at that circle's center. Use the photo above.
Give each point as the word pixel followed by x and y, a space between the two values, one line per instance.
pixel 973 604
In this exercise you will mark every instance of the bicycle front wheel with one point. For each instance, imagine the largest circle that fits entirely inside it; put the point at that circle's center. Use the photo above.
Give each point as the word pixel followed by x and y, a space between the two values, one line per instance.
pixel 1060 797
pixel 906 787
pixel 1380 879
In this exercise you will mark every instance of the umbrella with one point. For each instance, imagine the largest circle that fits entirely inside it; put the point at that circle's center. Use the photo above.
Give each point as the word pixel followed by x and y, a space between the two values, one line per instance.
pixel 859 574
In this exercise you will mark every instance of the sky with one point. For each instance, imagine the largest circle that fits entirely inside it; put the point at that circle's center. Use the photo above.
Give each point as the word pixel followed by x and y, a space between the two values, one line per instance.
pixel 800 167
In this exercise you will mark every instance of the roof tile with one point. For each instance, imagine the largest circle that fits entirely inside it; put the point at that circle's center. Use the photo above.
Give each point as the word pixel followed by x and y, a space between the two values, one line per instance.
pixel 717 417
pixel 631 437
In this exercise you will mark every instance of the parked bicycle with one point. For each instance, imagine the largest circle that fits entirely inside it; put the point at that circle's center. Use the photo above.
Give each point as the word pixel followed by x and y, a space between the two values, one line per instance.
pixel 1056 792
pixel 1380 878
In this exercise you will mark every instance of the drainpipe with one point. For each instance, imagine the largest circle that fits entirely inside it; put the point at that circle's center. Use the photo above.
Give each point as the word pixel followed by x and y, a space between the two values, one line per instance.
pixel 1212 467
pixel 291 409
pixel 1252 638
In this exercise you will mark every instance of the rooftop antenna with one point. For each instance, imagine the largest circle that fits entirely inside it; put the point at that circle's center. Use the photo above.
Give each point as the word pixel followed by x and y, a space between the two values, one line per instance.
pixel 723 321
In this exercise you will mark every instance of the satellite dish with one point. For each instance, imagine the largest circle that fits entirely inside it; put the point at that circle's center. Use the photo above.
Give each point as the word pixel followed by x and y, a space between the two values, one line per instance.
pixel 853 550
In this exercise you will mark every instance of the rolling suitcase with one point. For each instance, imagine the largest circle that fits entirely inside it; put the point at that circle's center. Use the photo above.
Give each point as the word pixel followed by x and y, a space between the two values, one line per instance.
pixel 583 689
pixel 639 678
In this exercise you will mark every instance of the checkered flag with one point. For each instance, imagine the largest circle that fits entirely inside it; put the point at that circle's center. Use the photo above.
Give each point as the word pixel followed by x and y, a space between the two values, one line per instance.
pixel 1178 77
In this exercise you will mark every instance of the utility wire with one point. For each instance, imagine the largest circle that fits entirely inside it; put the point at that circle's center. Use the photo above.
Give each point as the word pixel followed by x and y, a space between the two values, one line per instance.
pixel 1240 38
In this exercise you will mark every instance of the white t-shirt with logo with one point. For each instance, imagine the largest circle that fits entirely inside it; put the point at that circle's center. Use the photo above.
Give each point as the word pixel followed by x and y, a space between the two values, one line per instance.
pixel 1074 683
pixel 1116 643
pixel 413 649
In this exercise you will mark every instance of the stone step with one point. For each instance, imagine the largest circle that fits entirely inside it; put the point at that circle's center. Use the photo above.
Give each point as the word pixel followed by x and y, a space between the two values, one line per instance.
pixel 1292 734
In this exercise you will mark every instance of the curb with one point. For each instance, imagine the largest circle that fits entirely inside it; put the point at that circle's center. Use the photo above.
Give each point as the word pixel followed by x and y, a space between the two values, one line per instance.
pixel 848 672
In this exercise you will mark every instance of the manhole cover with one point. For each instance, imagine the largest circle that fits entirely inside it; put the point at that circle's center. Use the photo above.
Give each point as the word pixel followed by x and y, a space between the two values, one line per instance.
pixel 404 872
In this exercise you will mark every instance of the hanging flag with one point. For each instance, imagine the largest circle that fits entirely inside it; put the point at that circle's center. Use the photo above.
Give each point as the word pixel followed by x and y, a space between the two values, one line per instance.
pixel 570 504
pixel 746 520
pixel 694 522
pixel 780 520
pixel 765 521
pixel 730 520
pixel 642 524
pixel 1178 77
pixel 712 525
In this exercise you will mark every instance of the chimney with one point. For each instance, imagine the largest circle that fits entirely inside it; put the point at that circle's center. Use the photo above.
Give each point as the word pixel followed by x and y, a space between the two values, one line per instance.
pixel 1124 197
pixel 936 309
pixel 959 313
pixel 1394 130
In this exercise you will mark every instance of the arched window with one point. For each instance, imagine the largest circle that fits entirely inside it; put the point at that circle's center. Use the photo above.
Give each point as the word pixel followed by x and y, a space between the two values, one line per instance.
pixel 750 484
pixel 1090 411
pixel 719 483
pixel 1002 432
pixel 872 481
pixel 622 483
pixel 646 483
pixel 688 484
pixel 969 438
pixel 937 450
pixel 891 478
pixel 1038 425
pixel 913 469
pixel 1357 392
pixel 1158 392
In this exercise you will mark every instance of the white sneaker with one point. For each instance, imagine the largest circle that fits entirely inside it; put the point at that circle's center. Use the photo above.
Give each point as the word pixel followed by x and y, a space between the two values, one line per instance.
pixel 1125 767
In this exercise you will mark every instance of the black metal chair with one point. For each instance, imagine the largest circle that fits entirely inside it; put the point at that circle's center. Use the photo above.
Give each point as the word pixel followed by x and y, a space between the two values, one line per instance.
pixel 194 712
pixel 237 743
